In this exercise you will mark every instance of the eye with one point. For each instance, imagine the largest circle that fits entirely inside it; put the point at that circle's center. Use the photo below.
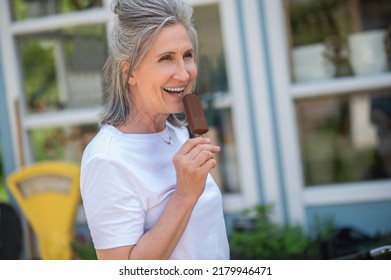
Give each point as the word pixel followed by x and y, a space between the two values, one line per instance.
pixel 165 58
pixel 188 55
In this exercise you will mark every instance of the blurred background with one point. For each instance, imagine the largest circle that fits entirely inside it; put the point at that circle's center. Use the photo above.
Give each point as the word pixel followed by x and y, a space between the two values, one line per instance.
pixel 297 93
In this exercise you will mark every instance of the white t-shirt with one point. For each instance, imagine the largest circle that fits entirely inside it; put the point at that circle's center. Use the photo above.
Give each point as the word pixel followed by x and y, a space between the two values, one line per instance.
pixel 126 181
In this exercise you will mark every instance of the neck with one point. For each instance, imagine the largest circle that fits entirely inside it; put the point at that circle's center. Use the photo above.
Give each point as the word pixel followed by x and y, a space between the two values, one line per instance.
pixel 143 124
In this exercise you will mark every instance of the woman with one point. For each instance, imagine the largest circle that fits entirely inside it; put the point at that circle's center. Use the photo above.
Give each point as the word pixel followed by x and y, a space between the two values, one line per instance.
pixel 145 185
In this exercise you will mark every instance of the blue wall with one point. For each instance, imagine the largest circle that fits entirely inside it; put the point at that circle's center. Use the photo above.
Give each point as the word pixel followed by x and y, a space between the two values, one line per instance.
pixel 370 218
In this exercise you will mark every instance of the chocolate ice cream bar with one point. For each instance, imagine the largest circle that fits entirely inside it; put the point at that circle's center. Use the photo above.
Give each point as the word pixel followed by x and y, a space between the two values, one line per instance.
pixel 195 114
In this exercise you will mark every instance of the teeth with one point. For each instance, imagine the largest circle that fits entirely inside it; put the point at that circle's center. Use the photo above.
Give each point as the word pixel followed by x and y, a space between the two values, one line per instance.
pixel 175 89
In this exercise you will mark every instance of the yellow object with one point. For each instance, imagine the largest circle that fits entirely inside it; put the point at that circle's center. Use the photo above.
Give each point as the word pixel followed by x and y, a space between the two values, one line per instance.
pixel 48 195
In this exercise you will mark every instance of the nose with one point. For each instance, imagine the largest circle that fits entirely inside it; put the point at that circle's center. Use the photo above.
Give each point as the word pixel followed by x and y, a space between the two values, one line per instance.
pixel 181 71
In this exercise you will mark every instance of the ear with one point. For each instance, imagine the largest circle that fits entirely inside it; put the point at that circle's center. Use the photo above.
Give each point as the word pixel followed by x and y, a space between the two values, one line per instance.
pixel 125 69
pixel 132 80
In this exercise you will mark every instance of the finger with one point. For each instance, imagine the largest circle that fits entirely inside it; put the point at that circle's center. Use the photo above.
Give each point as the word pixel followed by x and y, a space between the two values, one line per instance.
pixel 209 165
pixel 203 148
pixel 202 157
pixel 191 143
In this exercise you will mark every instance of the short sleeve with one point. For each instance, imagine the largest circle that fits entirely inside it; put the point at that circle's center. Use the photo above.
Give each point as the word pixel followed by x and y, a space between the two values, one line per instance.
pixel 112 203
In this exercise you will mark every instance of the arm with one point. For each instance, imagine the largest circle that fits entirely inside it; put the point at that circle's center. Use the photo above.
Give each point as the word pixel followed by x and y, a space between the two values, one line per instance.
pixel 192 163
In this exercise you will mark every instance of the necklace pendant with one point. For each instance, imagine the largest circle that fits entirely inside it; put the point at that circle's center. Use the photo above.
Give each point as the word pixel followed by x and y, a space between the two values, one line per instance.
pixel 169 141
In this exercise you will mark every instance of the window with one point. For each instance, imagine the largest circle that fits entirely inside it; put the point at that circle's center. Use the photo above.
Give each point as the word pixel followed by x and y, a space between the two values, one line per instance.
pixel 340 59
pixel 212 86
pixel 345 138
pixel 62 68
pixel 24 9
pixel 338 38
pixel 65 143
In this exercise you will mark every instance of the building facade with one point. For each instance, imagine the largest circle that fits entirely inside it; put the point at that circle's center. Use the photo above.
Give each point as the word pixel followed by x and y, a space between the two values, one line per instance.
pixel 297 93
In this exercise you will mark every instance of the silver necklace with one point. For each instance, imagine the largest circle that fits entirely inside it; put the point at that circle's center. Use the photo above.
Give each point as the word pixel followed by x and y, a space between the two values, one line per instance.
pixel 169 141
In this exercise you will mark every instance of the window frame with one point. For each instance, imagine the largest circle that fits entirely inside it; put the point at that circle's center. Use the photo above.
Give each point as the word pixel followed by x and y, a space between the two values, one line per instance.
pixel 287 93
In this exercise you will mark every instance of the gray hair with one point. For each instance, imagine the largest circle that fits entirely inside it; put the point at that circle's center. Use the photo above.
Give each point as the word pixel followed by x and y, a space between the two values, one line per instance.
pixel 136 25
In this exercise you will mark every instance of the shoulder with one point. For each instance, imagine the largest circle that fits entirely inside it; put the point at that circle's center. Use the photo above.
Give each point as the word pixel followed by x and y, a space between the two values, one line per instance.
pixel 104 143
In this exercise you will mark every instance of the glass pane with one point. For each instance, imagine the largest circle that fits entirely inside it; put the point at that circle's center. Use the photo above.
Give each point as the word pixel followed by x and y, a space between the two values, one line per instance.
pixel 212 76
pixel 221 132
pixel 345 138
pixel 212 85
pixel 24 9
pixel 61 143
pixel 62 69
pixel 336 38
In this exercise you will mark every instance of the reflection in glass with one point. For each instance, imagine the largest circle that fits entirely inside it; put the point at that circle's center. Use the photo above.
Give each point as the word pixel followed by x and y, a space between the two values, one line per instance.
pixel 336 38
pixel 346 138
pixel 24 9
pixel 61 143
pixel 62 69
pixel 212 85
pixel 221 132
pixel 212 76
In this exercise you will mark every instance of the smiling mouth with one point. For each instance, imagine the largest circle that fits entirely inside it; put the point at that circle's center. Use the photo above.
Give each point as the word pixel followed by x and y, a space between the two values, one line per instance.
pixel 176 91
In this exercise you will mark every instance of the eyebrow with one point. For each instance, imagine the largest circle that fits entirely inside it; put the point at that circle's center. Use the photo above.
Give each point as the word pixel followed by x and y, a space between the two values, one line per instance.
pixel 173 53
pixel 166 53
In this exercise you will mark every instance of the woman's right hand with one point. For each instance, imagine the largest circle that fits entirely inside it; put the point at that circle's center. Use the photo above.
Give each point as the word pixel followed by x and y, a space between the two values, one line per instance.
pixel 192 164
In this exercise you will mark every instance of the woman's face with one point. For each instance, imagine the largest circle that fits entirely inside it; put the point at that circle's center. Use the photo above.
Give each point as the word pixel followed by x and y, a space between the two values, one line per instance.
pixel 165 74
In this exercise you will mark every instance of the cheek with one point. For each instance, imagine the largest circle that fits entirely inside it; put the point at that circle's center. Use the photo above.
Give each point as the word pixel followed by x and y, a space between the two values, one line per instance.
pixel 193 71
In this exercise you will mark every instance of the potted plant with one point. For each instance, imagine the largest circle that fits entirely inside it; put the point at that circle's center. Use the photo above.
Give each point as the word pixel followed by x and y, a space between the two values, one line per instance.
pixel 256 236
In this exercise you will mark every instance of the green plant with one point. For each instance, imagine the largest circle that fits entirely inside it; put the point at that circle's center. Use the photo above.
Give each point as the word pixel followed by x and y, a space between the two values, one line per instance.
pixel 3 193
pixel 83 250
pixel 323 227
pixel 266 239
